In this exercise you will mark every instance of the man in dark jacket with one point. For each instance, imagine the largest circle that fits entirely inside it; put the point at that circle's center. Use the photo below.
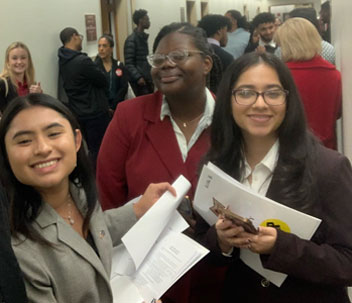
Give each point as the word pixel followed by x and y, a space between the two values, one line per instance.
pixel 216 27
pixel 86 87
pixel 136 51
pixel 12 288
pixel 264 24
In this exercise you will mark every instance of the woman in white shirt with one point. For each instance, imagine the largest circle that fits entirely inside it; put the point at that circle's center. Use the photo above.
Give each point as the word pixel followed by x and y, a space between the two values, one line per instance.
pixel 259 136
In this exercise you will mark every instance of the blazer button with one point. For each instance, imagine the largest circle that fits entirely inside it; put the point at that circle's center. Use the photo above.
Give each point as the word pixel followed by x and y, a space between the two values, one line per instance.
pixel 265 282
pixel 102 234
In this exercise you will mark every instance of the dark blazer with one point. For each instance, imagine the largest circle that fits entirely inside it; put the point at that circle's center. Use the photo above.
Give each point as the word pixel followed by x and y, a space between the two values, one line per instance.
pixel 5 98
pixel 318 270
pixel 225 57
pixel 72 271
pixel 11 282
pixel 117 79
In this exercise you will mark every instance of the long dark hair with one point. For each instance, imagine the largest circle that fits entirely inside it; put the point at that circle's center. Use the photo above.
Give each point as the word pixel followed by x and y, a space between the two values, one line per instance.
pixel 25 201
pixel 294 171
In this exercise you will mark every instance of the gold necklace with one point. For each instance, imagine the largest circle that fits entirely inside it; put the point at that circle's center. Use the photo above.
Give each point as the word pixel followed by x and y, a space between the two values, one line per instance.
pixel 185 124
pixel 69 217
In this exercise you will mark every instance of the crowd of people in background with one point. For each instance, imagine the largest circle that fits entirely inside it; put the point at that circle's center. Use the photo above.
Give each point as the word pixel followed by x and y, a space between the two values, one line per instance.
pixel 259 99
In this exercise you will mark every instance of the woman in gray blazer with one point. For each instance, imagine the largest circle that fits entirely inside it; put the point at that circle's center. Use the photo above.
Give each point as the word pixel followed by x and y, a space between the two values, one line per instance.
pixel 62 239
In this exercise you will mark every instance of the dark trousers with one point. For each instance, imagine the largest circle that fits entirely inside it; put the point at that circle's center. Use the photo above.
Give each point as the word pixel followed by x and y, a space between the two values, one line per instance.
pixel 140 90
pixel 93 132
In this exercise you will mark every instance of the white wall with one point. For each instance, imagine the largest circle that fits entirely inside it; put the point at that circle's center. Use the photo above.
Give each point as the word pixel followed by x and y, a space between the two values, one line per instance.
pixel 38 23
pixel 316 3
pixel 341 19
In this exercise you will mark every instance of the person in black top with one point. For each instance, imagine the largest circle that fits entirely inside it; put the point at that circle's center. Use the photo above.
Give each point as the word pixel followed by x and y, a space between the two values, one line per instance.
pixel 216 27
pixel 136 51
pixel 12 288
pixel 264 24
pixel 86 89
pixel 113 70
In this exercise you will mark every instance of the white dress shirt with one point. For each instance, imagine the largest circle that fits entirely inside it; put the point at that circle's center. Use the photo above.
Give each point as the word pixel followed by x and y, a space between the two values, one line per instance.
pixel 262 172
pixel 204 123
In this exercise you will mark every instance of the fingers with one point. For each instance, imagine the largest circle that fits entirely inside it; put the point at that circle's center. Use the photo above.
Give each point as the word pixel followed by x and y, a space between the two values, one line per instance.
pixel 150 196
pixel 166 186
pixel 35 88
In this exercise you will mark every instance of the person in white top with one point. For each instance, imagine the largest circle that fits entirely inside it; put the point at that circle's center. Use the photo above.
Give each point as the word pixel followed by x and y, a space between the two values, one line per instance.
pixel 259 136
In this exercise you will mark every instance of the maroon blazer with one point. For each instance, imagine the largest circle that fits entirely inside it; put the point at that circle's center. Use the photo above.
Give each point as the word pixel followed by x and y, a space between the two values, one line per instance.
pixel 318 270
pixel 138 149
pixel 319 85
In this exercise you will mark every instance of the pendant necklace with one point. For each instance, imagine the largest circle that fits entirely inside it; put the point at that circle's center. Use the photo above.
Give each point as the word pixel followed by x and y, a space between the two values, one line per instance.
pixel 185 124
pixel 69 217
pixel 69 213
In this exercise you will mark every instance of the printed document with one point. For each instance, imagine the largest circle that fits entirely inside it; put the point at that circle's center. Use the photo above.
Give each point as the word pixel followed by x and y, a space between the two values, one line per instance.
pixel 154 253
pixel 214 183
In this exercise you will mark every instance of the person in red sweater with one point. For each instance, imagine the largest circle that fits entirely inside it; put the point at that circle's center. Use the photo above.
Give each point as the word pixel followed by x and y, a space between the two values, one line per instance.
pixel 318 81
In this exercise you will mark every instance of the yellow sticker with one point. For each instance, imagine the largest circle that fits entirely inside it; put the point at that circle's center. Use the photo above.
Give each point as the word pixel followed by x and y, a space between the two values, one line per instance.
pixel 277 224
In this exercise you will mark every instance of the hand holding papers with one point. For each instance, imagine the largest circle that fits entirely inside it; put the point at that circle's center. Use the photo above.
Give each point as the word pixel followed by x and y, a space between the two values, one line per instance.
pixel 214 183
pixel 155 253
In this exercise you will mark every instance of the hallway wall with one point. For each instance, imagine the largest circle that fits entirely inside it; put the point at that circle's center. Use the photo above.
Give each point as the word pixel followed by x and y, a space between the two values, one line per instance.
pixel 341 19
pixel 38 23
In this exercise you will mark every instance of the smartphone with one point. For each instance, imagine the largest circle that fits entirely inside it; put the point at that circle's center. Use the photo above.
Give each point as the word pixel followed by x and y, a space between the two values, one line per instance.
pixel 246 223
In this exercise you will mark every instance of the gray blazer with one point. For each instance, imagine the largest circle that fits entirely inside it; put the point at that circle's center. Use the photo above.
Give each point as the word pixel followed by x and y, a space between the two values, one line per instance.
pixel 72 272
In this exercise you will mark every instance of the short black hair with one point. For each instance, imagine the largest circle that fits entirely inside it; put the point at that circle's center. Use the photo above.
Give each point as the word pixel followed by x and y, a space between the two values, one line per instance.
pixel 109 38
pixel 263 18
pixel 66 34
pixel 139 14
pixel 198 35
pixel 212 23
pixel 308 13
pixel 241 20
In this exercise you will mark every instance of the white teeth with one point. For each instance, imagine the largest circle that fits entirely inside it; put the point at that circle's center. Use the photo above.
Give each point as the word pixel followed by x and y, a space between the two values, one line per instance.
pixel 46 164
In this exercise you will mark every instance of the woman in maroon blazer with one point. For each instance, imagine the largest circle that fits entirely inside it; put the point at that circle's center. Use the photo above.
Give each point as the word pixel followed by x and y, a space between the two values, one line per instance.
pixel 317 80
pixel 162 135
pixel 259 136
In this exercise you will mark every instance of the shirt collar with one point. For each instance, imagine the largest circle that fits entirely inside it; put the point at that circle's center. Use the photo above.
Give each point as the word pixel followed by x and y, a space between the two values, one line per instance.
pixel 271 43
pixel 213 41
pixel 269 161
pixel 208 110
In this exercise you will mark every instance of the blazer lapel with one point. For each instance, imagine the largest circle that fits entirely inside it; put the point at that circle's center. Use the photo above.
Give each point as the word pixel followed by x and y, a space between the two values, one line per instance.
pixel 102 239
pixel 67 235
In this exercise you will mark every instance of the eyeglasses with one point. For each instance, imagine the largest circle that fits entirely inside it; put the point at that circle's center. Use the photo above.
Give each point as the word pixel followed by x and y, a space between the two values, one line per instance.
pixel 272 97
pixel 81 36
pixel 174 57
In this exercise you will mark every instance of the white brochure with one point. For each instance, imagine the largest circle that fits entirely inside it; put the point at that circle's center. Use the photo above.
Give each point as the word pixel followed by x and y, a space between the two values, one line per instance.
pixel 214 183
pixel 154 253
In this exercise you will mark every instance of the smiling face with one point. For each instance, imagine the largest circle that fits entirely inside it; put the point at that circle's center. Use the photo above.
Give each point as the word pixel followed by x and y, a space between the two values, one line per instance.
pixel 41 148
pixel 104 48
pixel 259 120
pixel 186 76
pixel 18 61
pixel 266 31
